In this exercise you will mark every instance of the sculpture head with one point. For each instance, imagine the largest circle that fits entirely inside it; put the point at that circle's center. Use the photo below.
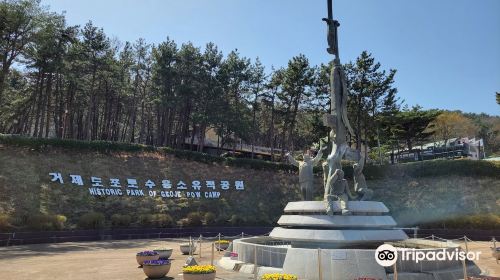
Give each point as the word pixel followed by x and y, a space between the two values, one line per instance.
pixel 340 174
pixel 308 155
pixel 332 134
pixel 356 168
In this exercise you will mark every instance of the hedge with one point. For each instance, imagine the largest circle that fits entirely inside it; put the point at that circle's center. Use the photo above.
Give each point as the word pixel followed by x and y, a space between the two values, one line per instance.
pixel 414 169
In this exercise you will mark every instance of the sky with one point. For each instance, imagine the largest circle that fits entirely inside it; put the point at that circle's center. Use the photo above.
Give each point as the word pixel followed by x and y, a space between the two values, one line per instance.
pixel 446 52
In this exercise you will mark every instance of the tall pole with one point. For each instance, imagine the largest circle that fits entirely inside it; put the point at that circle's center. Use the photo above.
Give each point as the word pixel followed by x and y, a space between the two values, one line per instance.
pixel 330 9
pixel 332 31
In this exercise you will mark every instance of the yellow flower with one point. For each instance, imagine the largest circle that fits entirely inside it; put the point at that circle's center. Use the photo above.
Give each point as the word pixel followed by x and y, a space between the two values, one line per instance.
pixel 222 241
pixel 198 269
pixel 278 276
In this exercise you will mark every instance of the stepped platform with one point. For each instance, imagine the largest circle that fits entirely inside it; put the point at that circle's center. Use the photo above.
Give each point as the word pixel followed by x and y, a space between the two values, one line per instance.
pixel 306 225
pixel 324 221
pixel 356 207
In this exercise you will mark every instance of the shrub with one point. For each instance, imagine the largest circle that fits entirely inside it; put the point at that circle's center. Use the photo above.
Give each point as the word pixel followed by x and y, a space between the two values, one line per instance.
pixel 209 218
pixel 477 168
pixel 91 220
pixel 146 220
pixel 236 220
pixel 477 221
pixel 121 220
pixel 163 220
pixel 41 221
pixel 5 221
pixel 59 222
pixel 193 219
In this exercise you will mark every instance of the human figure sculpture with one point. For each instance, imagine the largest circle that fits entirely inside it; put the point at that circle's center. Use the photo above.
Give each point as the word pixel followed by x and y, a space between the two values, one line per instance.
pixel 325 168
pixel 306 176
pixel 336 189
pixel 332 38
pixel 360 187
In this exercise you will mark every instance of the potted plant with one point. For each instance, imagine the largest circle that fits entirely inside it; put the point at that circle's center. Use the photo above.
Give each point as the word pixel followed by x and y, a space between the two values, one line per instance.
pixel 143 256
pixel 185 248
pixel 199 272
pixel 156 268
pixel 164 253
pixel 222 245
pixel 278 276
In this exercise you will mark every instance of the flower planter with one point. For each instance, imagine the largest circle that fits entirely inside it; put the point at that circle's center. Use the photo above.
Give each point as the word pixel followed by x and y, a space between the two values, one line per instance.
pixel 141 257
pixel 495 252
pixel 221 246
pixel 184 247
pixel 207 276
pixel 155 271
pixel 164 253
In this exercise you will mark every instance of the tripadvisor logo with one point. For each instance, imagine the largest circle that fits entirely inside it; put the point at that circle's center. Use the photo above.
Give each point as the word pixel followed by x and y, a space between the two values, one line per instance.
pixel 387 255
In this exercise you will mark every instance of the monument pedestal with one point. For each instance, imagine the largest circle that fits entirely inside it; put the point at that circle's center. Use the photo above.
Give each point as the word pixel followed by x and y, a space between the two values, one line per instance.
pixel 306 225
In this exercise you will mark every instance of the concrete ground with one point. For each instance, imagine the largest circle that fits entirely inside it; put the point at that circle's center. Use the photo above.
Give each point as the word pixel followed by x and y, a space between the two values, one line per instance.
pixel 105 260
pixel 116 260
pixel 486 262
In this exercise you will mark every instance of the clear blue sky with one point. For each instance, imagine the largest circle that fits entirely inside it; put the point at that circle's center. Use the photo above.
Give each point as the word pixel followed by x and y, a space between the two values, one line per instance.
pixel 447 52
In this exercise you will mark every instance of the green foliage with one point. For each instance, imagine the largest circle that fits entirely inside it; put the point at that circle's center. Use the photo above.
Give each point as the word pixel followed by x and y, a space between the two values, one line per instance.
pixel 435 168
pixel 210 219
pixel 92 220
pixel 372 93
pixel 413 126
pixel 163 220
pixel 5 222
pixel 193 219
pixel 146 220
pixel 108 146
pixel 478 221
pixel 236 220
pixel 121 220
pixel 416 169
pixel 98 146
pixel 42 221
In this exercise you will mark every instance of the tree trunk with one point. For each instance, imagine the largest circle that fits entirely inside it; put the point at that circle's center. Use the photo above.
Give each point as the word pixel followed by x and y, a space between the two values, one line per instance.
pixel 49 94
pixel 38 102
pixel 272 126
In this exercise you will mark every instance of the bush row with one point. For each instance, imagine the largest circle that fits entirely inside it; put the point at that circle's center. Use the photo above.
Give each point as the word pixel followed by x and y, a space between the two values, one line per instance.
pixel 414 169
pixel 37 221
pixel 432 168
pixel 109 146
pixel 97 220
pixel 478 221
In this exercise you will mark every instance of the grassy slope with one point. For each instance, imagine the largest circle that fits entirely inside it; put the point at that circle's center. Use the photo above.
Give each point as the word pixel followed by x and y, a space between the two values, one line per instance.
pixel 25 188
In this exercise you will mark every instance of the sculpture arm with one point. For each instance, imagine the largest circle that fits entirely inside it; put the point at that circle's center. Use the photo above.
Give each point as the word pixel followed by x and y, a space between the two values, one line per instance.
pixel 318 156
pixel 361 163
pixel 292 160
pixel 330 181
pixel 349 194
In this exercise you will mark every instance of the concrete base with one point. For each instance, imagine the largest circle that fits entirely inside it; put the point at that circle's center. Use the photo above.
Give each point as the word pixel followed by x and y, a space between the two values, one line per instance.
pixel 337 264
pixel 229 264
pixel 336 238
pixel 348 263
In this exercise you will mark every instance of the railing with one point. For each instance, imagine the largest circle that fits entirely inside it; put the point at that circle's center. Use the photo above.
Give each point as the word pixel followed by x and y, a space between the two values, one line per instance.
pixel 23 238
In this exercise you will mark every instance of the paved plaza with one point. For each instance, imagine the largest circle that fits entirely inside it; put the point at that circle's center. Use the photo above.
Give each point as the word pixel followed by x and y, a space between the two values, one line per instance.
pixel 116 260
pixel 95 260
